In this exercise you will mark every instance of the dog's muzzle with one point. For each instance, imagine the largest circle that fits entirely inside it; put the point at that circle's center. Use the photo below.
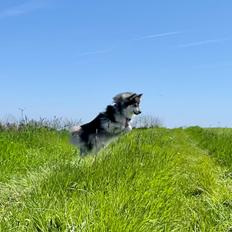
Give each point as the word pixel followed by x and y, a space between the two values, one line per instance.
pixel 137 112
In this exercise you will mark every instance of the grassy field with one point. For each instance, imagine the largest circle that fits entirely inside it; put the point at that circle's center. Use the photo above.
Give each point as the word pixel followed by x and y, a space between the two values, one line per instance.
pixel 149 180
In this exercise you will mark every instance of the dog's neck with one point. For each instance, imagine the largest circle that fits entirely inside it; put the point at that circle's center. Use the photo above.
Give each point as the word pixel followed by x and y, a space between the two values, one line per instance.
pixel 119 108
pixel 122 117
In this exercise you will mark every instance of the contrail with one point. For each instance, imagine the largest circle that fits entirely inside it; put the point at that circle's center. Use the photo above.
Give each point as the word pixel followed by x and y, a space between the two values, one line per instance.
pixel 158 35
pixel 95 52
pixel 203 42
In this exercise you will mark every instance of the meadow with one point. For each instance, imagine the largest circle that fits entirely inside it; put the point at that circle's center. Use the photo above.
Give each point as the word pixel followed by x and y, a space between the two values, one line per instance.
pixel 153 179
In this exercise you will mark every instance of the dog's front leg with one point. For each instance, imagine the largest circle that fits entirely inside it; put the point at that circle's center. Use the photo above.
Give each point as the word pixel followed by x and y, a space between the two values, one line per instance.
pixel 128 128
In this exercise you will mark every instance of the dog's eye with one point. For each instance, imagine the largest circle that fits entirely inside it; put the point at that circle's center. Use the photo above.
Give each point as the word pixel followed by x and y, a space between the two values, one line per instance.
pixel 136 105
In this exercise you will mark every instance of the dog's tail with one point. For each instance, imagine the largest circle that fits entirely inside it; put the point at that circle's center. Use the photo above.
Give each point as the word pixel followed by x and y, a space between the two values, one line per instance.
pixel 75 129
pixel 75 132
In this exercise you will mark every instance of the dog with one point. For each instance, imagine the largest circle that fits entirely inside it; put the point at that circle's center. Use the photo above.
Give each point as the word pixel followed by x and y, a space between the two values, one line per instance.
pixel 108 125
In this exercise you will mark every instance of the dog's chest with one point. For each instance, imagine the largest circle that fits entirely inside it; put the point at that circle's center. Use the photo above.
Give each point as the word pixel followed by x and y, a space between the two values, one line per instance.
pixel 118 126
pixel 115 127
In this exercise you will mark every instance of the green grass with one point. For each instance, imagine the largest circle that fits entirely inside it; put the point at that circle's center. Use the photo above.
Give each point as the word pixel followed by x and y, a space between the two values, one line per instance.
pixel 149 180
pixel 217 142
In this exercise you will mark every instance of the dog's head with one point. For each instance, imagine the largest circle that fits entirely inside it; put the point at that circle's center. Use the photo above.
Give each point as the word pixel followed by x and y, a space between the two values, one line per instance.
pixel 129 103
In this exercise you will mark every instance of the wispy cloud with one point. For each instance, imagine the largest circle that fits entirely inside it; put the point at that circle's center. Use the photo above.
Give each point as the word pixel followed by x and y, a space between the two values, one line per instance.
pixel 202 42
pixel 95 52
pixel 22 9
pixel 153 36
pixel 125 42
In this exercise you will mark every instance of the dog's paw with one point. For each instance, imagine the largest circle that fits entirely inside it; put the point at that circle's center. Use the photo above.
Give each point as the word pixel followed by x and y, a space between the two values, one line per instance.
pixel 128 128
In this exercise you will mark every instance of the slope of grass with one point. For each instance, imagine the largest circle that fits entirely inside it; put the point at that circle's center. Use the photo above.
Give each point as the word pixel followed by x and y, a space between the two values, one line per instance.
pixel 149 180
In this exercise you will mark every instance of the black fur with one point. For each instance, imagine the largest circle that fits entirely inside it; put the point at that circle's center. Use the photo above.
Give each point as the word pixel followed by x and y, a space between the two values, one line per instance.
pixel 95 126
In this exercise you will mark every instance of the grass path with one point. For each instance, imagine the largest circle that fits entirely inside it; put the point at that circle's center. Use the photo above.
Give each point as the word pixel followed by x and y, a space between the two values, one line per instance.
pixel 150 180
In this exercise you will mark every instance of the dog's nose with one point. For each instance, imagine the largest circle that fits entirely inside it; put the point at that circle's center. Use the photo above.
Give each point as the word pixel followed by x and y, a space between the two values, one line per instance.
pixel 137 112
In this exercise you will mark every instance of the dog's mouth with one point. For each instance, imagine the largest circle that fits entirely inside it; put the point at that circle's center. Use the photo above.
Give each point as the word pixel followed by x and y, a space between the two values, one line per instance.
pixel 137 112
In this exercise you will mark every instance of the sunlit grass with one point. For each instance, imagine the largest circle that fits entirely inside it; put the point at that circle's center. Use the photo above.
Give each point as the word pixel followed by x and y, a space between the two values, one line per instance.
pixel 148 180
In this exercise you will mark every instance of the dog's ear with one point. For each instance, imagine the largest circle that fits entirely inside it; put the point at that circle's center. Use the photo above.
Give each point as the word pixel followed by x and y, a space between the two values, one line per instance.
pixel 132 96
pixel 117 98
pixel 123 97
pixel 138 97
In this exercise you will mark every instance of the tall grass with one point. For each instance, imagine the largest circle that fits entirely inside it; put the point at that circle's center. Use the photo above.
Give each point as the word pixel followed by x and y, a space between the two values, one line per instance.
pixel 148 180
pixel 25 147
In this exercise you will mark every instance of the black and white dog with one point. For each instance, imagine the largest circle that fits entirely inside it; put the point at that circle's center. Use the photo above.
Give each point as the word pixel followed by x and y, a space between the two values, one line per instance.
pixel 91 137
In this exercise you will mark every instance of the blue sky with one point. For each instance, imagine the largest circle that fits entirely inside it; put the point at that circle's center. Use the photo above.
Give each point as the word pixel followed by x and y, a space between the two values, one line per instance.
pixel 69 58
